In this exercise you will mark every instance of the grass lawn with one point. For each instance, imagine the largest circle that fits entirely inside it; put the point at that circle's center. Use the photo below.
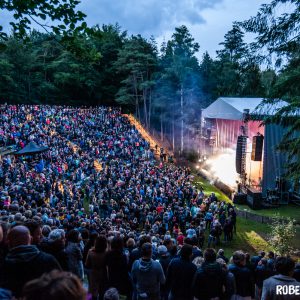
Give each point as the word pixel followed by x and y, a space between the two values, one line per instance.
pixel 290 210
pixel 251 236
pixel 210 188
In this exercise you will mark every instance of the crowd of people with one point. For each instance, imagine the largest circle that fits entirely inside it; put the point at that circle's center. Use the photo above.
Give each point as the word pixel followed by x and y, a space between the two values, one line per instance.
pixel 96 209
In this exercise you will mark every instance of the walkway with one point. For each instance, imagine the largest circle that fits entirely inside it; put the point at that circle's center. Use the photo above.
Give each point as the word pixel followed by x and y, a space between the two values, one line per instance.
pixel 147 136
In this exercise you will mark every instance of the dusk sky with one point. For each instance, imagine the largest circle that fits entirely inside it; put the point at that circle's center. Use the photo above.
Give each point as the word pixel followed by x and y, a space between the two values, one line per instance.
pixel 207 20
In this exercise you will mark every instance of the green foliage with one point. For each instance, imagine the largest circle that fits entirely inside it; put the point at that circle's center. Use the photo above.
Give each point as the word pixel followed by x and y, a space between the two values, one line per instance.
pixel 278 34
pixel 56 69
pixel 234 45
pixel 282 233
pixel 38 11
pixel 136 62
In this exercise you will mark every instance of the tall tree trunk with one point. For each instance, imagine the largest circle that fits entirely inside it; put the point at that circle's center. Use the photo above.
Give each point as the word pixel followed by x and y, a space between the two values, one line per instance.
pixel 145 107
pixel 173 129
pixel 181 113
pixel 161 127
pixel 150 107
pixel 137 108
pixel 29 86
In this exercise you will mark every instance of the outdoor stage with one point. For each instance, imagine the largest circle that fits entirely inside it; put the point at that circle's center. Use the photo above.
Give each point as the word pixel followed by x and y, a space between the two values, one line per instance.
pixel 256 177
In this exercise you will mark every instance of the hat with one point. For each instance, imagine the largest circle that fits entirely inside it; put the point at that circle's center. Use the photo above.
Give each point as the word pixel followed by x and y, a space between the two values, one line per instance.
pixel 162 250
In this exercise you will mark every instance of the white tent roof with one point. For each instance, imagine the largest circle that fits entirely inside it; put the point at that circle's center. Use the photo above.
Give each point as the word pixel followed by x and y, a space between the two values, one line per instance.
pixel 233 108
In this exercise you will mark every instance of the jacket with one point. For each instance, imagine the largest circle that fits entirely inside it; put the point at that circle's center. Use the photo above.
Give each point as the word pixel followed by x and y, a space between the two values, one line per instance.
pixel 118 272
pixel 59 252
pixel 95 262
pixel 269 288
pixel 209 281
pixel 75 256
pixel 25 263
pixel 147 275
pixel 180 278
pixel 243 279
pixel 261 273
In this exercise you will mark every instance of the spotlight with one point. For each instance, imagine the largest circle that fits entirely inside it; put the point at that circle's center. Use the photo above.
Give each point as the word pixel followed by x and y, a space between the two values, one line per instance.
pixel 197 167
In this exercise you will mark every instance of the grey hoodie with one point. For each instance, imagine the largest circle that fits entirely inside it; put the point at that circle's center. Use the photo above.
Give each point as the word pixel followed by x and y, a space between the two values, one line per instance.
pixel 147 276
pixel 270 290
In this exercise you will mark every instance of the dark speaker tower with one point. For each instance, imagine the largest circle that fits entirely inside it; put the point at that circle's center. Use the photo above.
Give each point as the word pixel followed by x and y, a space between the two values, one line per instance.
pixel 257 147
pixel 240 158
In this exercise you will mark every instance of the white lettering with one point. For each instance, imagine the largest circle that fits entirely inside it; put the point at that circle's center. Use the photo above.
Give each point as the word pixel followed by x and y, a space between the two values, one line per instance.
pixel 279 289
pixel 287 290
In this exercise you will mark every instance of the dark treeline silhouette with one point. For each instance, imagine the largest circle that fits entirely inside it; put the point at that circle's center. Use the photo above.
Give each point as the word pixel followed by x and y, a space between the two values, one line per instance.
pixel 106 66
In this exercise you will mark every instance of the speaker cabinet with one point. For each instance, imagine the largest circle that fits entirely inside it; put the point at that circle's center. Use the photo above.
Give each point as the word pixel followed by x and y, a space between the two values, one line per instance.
pixel 257 147
pixel 240 158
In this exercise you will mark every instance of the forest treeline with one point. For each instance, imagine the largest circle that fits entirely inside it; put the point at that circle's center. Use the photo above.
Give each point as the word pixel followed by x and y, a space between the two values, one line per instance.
pixel 159 83
pixel 165 86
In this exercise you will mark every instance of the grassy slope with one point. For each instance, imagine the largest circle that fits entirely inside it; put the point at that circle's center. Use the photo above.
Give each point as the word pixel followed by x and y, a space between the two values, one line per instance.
pixel 251 236
pixel 291 210
pixel 209 188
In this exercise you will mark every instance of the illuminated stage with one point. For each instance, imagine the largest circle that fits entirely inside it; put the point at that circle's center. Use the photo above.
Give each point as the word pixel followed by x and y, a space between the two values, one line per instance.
pixel 222 123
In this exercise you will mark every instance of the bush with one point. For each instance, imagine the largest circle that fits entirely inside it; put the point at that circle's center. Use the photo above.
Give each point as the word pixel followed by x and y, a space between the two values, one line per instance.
pixel 282 232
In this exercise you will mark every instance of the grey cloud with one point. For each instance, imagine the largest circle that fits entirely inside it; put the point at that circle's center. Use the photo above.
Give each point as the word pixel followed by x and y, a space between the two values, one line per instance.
pixel 146 16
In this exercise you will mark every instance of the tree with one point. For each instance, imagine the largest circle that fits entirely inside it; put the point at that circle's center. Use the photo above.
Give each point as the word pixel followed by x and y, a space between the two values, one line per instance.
pixel 108 40
pixel 282 232
pixel 137 61
pixel 37 11
pixel 181 50
pixel 278 35
pixel 234 44
pixel 208 79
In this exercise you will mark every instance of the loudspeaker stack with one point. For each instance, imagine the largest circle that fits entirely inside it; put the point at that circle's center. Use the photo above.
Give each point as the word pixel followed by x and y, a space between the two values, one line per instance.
pixel 240 158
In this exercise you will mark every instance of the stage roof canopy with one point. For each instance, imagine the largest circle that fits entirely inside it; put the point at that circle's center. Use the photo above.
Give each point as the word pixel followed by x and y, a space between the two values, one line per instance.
pixel 233 108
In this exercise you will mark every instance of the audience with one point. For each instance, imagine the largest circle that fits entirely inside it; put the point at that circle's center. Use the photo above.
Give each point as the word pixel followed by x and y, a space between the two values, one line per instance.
pixel 94 202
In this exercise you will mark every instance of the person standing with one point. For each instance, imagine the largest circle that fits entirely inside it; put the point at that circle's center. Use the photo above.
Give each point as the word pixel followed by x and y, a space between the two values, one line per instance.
pixel 242 275
pixel 180 275
pixel 273 286
pixel 117 268
pixel 74 252
pixel 147 275
pixel 210 278
pixel 24 262
pixel 95 263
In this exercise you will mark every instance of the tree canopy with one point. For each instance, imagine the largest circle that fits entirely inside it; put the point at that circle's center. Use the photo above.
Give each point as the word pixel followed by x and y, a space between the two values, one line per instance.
pixel 164 85
pixel 27 12
pixel 279 36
